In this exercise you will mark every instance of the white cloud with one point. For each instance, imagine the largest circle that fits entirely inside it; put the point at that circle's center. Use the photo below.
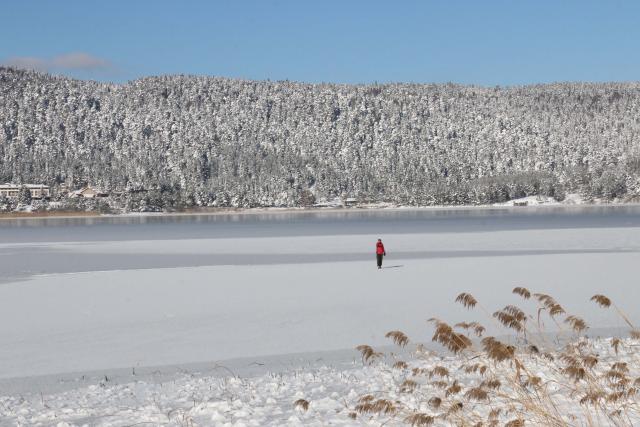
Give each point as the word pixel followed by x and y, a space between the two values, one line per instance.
pixel 78 61
pixel 28 62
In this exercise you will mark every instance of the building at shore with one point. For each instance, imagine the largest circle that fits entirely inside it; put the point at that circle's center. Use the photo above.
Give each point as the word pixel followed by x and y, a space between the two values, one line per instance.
pixel 88 193
pixel 38 191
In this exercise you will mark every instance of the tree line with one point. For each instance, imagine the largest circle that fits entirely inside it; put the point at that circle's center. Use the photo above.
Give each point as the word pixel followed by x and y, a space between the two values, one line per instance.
pixel 172 142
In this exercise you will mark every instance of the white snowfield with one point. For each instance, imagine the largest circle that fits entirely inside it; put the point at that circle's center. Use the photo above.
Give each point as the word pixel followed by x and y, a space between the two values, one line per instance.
pixel 86 321
pixel 80 322
pixel 332 395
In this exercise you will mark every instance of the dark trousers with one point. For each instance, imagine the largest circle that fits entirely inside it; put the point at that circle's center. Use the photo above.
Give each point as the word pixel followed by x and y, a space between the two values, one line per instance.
pixel 379 259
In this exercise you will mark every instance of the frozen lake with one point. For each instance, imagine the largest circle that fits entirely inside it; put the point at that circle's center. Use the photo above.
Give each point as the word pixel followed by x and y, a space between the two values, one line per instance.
pixel 122 292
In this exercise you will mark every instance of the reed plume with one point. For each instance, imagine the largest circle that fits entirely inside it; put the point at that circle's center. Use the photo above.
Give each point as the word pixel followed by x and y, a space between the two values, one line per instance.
pixel 576 323
pixel 523 292
pixel 379 406
pixel 301 404
pixel 497 383
pixel 419 420
pixel 398 338
pixel 447 337
pixel 467 300
pixel 400 364
pixel 368 353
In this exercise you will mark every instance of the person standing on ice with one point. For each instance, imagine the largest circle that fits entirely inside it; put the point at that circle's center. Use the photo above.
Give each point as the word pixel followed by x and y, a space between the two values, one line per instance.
pixel 380 252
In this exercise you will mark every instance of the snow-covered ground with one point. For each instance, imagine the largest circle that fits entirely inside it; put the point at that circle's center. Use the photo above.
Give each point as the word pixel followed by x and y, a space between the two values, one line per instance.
pixel 55 323
pixel 537 201
pixel 332 394
pixel 157 307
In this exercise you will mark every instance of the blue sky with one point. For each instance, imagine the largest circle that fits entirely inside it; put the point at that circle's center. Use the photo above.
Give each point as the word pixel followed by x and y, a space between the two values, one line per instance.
pixel 481 42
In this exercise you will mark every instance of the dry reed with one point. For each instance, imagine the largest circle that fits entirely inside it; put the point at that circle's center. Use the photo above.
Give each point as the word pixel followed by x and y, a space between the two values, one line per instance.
pixel 301 404
pixel 495 382
pixel 398 338
pixel 368 354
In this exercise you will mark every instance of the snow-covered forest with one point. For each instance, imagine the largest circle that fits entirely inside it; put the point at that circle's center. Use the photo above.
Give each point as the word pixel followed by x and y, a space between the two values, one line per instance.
pixel 179 141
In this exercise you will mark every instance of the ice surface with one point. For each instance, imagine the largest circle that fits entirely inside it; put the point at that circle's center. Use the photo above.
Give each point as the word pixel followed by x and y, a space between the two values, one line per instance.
pixel 74 311
pixel 56 323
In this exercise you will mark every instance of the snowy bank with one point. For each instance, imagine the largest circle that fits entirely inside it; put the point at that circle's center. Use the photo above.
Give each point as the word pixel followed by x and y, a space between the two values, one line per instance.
pixel 426 385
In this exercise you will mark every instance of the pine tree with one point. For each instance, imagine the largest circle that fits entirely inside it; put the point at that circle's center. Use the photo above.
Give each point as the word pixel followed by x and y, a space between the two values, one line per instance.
pixel 24 196
pixel 224 142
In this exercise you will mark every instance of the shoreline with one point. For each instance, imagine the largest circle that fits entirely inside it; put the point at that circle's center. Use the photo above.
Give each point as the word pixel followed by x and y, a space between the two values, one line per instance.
pixel 13 216
pixel 247 366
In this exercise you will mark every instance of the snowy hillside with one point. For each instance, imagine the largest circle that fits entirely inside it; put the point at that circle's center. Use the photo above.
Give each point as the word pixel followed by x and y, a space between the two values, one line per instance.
pixel 215 141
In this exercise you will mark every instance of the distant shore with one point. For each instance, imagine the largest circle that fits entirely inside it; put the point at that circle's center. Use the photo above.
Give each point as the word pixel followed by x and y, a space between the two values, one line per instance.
pixel 47 214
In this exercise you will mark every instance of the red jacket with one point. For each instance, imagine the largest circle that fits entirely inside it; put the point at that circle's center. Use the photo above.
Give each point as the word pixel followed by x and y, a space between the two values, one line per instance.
pixel 380 249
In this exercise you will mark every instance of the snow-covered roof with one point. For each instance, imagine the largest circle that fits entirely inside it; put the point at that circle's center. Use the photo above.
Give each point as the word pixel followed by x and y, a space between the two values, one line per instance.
pixel 87 190
pixel 8 186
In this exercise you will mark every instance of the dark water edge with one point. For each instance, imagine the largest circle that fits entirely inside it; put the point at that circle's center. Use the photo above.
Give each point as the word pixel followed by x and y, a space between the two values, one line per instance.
pixel 316 222
pixel 19 264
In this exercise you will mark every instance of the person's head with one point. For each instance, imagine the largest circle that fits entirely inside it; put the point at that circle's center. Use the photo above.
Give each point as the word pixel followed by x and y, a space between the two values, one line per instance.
pixel 379 240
